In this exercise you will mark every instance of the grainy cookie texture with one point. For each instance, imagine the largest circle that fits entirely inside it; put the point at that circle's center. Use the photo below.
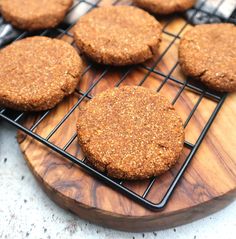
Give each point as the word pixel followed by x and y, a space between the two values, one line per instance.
pixel 118 35
pixel 37 72
pixel 208 52
pixel 130 133
pixel 34 14
pixel 165 6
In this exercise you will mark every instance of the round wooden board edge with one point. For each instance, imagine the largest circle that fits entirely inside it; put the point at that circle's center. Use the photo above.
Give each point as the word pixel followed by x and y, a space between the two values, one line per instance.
pixel 130 223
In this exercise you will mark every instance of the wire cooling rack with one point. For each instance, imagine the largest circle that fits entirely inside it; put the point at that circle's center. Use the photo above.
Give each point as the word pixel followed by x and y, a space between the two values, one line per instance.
pixel 194 16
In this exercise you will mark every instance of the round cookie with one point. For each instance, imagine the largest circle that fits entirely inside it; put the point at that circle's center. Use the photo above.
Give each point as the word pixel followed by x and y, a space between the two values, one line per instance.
pixel 34 14
pixel 37 72
pixel 208 52
pixel 130 133
pixel 118 35
pixel 165 7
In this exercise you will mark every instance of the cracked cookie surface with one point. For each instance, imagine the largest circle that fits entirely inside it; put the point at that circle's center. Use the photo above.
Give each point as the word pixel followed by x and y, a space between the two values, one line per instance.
pixel 208 52
pixel 37 72
pixel 118 35
pixel 34 14
pixel 165 6
pixel 130 133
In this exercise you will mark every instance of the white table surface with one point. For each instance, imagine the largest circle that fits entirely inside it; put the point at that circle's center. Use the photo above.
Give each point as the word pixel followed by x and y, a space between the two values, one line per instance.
pixel 26 211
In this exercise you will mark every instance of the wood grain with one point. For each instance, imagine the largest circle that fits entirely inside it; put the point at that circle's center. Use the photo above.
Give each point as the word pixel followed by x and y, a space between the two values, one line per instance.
pixel 208 185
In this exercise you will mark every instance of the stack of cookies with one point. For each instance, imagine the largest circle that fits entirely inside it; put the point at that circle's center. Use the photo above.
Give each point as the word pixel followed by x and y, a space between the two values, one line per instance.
pixel 128 132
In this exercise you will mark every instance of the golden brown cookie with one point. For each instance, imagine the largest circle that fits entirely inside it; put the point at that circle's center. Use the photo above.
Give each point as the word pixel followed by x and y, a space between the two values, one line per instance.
pixel 208 52
pixel 130 133
pixel 118 35
pixel 34 14
pixel 37 72
pixel 165 6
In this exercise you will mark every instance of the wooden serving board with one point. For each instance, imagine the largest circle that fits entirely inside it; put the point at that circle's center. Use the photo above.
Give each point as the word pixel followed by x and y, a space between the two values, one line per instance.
pixel 208 185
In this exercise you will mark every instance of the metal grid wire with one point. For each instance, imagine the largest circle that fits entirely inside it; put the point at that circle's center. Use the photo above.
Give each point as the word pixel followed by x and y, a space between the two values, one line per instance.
pixel 17 118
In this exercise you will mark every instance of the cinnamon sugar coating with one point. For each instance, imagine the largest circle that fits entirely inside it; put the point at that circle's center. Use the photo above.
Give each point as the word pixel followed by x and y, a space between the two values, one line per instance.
pixel 208 53
pixel 118 35
pixel 165 6
pixel 37 72
pixel 130 133
pixel 34 14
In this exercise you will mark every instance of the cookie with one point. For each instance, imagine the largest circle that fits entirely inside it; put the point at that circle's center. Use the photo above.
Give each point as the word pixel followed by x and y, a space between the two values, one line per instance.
pixel 37 72
pixel 208 53
pixel 130 133
pixel 165 7
pixel 118 35
pixel 34 14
